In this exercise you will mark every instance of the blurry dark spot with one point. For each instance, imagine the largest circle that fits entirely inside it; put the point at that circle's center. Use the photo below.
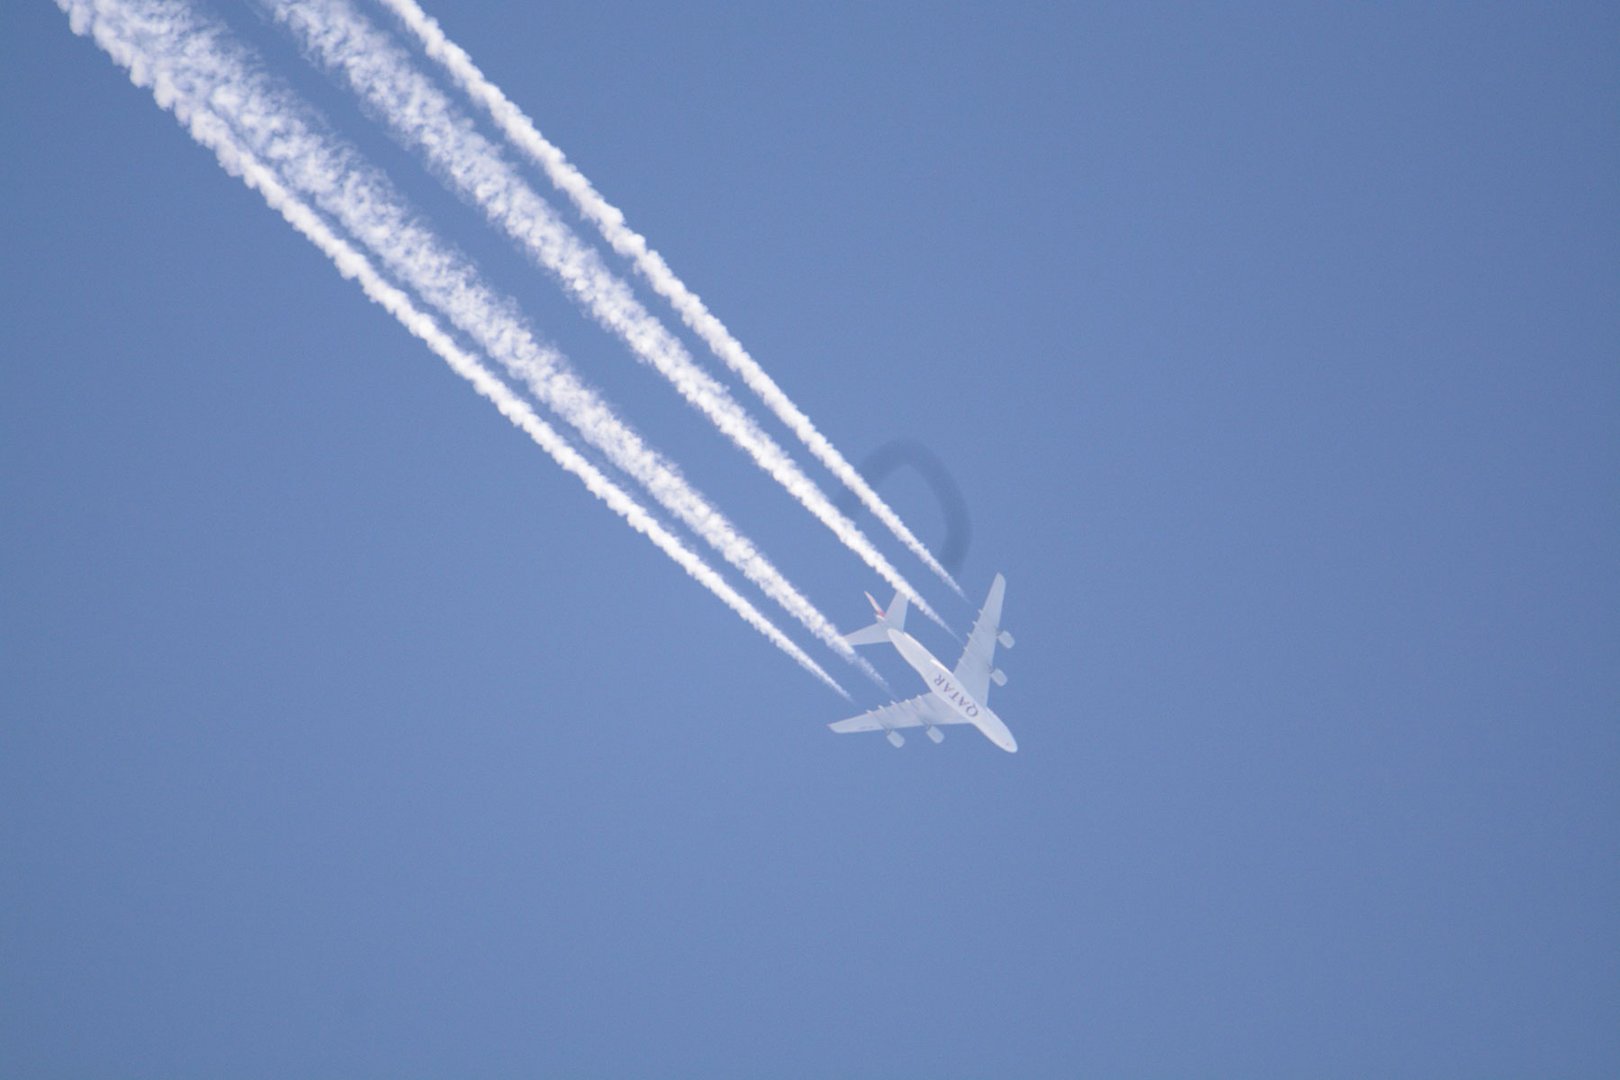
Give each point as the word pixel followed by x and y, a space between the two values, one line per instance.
pixel 909 453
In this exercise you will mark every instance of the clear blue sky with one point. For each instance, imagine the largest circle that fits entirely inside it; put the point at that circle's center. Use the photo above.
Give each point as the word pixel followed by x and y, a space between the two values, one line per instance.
pixel 1275 349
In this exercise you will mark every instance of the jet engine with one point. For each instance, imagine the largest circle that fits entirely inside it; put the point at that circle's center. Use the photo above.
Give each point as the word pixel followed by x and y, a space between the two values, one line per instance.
pixel 1006 639
pixel 896 739
pixel 998 677
pixel 937 735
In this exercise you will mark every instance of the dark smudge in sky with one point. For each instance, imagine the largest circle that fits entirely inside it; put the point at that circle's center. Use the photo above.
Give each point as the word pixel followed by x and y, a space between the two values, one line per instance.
pixel 883 461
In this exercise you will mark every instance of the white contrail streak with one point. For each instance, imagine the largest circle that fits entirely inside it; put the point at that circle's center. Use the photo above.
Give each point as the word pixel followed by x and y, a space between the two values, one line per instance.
pixel 211 132
pixel 274 126
pixel 383 75
pixel 522 133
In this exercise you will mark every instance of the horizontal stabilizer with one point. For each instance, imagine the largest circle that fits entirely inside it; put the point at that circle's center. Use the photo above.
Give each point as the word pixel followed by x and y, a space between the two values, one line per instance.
pixel 878 633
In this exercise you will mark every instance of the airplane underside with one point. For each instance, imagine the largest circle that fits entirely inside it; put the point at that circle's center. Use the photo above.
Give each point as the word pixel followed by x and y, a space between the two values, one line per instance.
pixel 954 696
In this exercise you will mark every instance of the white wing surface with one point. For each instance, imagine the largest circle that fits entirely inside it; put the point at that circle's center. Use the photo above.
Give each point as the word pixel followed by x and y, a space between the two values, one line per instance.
pixel 978 659
pixel 920 711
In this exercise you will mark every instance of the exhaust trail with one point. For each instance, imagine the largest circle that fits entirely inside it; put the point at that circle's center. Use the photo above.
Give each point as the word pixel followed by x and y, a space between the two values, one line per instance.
pixel 521 132
pixel 198 57
pixel 383 75
pixel 101 23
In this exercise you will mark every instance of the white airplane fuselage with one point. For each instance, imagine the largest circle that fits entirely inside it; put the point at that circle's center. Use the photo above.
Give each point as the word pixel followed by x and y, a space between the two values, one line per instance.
pixel 942 684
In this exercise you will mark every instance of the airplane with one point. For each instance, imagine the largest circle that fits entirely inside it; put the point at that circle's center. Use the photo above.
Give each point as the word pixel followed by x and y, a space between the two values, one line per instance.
pixel 953 697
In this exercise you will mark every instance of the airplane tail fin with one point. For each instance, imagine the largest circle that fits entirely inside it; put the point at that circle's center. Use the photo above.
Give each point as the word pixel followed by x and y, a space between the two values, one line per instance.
pixel 878 633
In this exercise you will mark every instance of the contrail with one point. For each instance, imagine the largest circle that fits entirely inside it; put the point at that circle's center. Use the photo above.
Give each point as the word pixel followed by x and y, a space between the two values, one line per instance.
pixel 209 130
pixel 274 126
pixel 522 133
pixel 383 75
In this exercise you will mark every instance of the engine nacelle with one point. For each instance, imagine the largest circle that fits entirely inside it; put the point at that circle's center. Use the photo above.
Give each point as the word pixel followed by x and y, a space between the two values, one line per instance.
pixel 896 739
pixel 1006 639
pixel 998 677
pixel 937 735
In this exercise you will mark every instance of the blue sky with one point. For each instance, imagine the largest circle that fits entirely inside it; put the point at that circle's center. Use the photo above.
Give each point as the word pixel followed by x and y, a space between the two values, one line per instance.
pixel 1274 350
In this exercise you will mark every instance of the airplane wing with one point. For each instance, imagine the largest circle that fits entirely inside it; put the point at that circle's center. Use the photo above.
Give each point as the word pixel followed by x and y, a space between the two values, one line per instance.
pixel 978 659
pixel 919 711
